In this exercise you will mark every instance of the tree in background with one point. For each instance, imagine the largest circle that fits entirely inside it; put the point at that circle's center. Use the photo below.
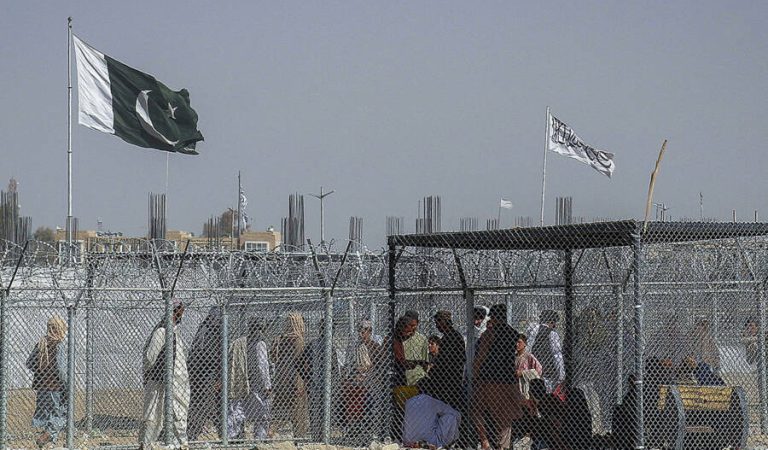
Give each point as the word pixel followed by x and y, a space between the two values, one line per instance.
pixel 44 234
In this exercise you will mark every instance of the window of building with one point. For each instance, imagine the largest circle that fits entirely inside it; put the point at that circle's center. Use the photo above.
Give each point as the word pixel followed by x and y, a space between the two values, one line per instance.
pixel 256 246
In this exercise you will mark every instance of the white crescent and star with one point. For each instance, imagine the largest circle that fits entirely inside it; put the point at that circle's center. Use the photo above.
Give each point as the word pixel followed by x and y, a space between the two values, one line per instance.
pixel 142 111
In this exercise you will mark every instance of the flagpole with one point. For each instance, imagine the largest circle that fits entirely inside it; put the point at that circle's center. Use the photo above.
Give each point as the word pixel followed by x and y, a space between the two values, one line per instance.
pixel 239 205
pixel 167 158
pixel 498 217
pixel 544 169
pixel 69 138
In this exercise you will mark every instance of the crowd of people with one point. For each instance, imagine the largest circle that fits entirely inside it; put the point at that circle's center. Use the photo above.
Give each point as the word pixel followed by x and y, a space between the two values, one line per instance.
pixel 513 388
pixel 436 389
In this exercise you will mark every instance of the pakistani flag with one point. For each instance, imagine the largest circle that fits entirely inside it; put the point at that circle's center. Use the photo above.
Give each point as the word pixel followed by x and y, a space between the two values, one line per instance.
pixel 132 105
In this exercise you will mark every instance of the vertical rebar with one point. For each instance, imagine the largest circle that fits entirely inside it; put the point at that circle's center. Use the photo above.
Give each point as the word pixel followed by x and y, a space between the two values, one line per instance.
pixel 169 357
pixel 224 373
pixel 639 341
pixel 70 376
pixel 328 369
pixel 3 368
pixel 761 361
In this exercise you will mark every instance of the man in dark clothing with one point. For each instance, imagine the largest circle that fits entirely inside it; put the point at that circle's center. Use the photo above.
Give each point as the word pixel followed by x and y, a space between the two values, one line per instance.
pixel 447 373
pixel 496 394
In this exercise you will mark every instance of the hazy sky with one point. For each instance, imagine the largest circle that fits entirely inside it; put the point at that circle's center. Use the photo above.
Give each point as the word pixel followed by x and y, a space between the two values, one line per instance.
pixel 389 101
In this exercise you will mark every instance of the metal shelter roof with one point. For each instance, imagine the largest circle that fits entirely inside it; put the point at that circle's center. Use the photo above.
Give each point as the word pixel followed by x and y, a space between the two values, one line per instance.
pixel 582 235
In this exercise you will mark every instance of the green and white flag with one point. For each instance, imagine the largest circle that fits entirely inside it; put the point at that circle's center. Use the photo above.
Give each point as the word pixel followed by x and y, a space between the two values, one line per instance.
pixel 132 105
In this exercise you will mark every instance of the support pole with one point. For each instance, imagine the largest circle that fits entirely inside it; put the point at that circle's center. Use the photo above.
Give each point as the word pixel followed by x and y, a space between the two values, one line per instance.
pixel 391 260
pixel 4 344
pixel 469 311
pixel 568 339
pixel 224 374
pixel 70 376
pixel 328 367
pixel 69 253
pixel 169 350
pixel 637 249
pixel 89 335
pixel 619 344
pixel 761 361
pixel 544 168
pixel 3 368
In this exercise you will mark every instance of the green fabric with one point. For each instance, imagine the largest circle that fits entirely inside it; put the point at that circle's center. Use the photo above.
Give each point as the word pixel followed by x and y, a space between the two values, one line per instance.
pixel 170 114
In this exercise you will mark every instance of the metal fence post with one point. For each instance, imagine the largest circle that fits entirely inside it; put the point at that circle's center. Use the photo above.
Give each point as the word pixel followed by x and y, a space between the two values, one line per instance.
pixel 391 331
pixel 761 361
pixel 169 357
pixel 639 339
pixel 328 369
pixel 89 375
pixel 469 308
pixel 224 373
pixel 619 343
pixel 351 317
pixel 568 338
pixel 70 376
pixel 3 369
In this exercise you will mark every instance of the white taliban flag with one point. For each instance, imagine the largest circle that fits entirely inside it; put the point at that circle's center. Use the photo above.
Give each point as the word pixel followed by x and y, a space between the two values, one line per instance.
pixel 562 139
pixel 506 204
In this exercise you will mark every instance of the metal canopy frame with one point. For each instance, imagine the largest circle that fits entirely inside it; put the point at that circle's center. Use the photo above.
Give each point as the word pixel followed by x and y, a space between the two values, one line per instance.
pixel 567 238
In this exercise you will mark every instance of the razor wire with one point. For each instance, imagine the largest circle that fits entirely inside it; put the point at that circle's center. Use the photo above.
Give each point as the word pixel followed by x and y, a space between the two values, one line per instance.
pixel 345 391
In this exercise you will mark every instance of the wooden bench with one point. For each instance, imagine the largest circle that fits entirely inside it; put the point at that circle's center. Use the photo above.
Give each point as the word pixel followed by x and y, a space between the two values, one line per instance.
pixel 692 416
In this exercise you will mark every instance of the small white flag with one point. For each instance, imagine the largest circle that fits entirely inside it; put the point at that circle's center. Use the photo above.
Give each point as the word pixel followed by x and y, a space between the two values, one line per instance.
pixel 561 139
pixel 506 204
pixel 243 199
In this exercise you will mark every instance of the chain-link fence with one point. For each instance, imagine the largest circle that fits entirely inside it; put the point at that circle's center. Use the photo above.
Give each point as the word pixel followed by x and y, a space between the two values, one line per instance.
pixel 581 336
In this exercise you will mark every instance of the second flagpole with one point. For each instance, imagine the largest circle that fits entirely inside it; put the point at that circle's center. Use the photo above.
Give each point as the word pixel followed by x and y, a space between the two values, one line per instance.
pixel 544 169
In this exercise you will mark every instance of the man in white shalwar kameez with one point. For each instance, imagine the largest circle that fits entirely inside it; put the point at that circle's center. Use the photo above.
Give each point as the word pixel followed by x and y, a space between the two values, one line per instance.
pixel 250 384
pixel 154 386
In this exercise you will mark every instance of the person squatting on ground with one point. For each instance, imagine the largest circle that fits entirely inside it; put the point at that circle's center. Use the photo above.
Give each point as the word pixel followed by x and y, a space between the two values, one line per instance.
pixel 154 384
pixel 544 342
pixel 496 393
pixel 429 421
pixel 48 364
pixel 432 417
pixel 250 383
pixel 290 393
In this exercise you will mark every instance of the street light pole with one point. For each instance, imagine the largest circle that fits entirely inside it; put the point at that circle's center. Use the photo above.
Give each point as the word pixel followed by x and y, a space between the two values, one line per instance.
pixel 322 196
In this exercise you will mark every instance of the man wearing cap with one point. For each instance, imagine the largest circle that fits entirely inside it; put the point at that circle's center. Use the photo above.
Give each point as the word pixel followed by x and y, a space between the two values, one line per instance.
pixel 545 346
pixel 444 381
